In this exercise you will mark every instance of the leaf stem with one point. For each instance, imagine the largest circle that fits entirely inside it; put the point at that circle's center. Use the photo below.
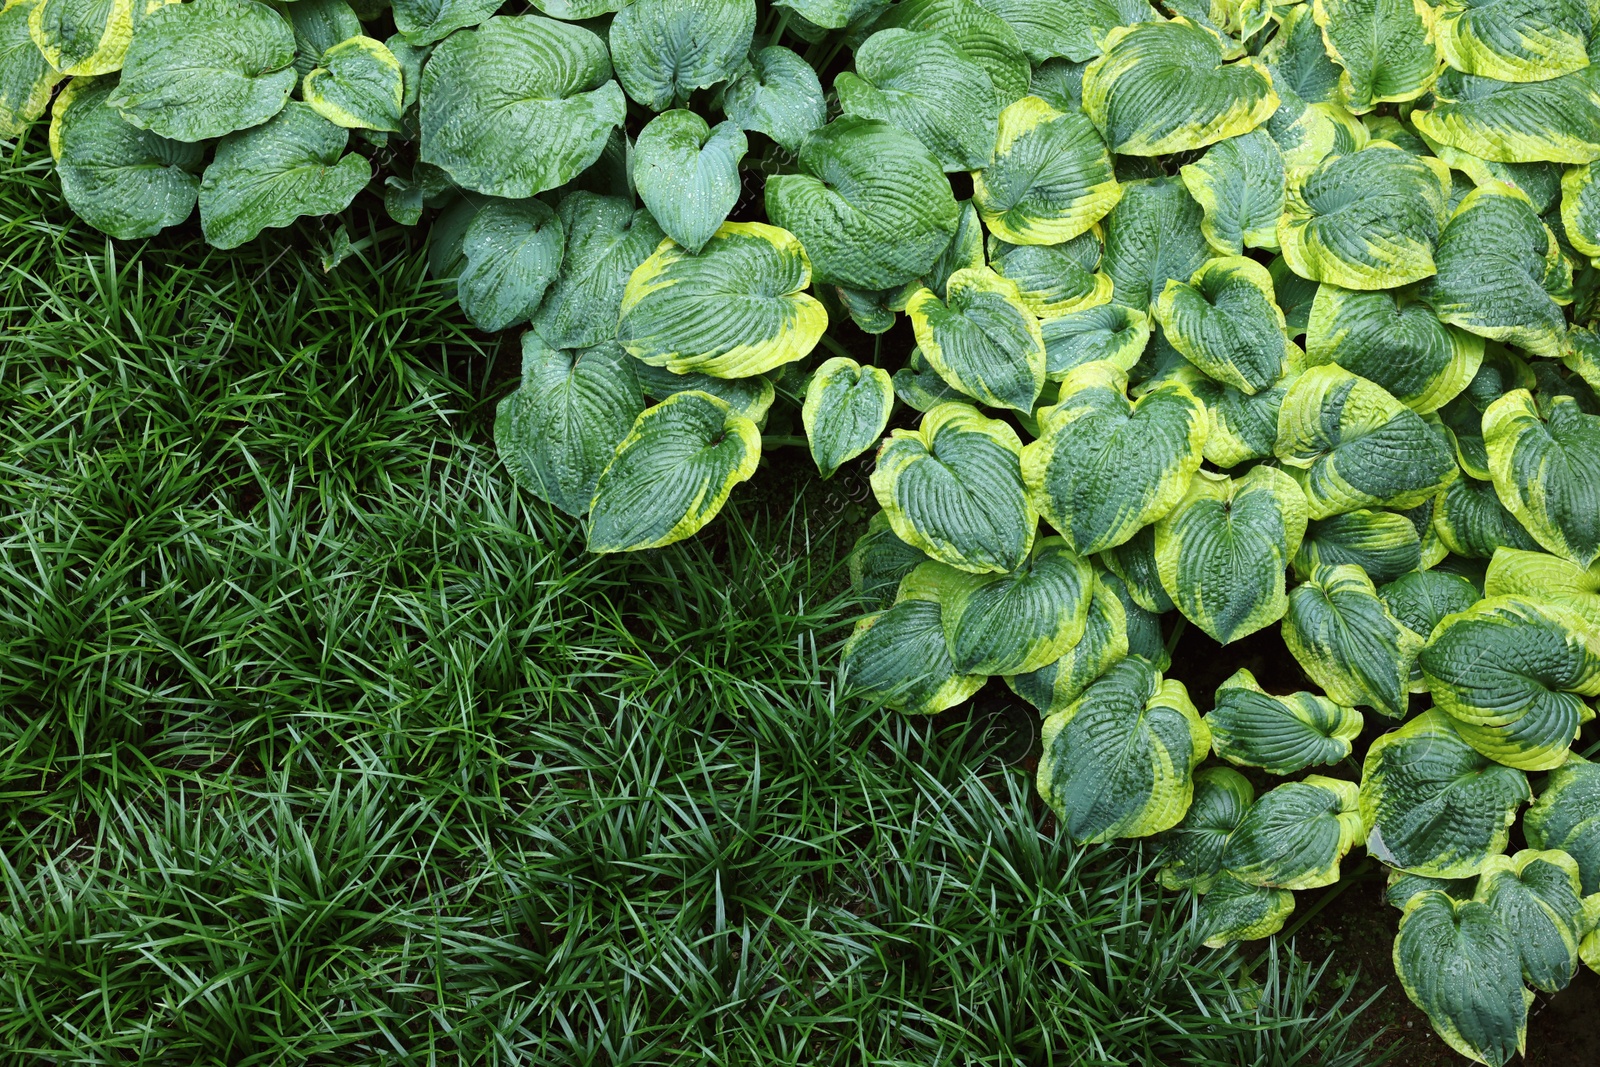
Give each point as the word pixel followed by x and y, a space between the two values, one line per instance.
pixel 770 441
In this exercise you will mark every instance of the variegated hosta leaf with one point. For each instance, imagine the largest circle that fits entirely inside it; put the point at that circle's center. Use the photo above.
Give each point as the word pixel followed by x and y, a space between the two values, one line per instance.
pixel 1294 836
pixel 1580 209
pixel 1222 550
pixel 871 205
pixel 1546 578
pixel 665 49
pixel 736 309
pixel 1239 183
pixel 1462 418
pixel 26 77
pixel 1224 321
pixel 1459 964
pixel 1059 83
pixel 1384 544
pixel 78 38
pixel 1134 563
pixel 922 83
pixel 513 252
pixel 1471 521
pixel 1434 805
pixel 1145 638
pixel 1535 895
pixel 359 85
pixel 425 22
pixel 122 180
pixel 953 488
pixel 1567 817
pixel 1513 673
pixel 1237 911
pixel 1280 734
pixel 898 656
pixel 1049 177
pixel 558 431
pixel 1434 551
pixel 979 33
pixel 1119 761
pixel 268 176
pixel 1348 643
pixel 688 174
pixel 606 239
pixel 672 473
pixel 1242 427
pixel 779 96
pixel 1547 473
pixel 205 68
pixel 1556 120
pixel 487 93
pixel 981 338
pixel 1402 887
pixel 1513 40
pixel 1152 235
pixel 750 397
pixel 1103 467
pixel 919 386
pixel 1395 341
pixel 1307 134
pixel 1105 641
pixel 1298 58
pixel 1070 28
pixel 1384 47
pixel 846 408
pixel 1191 852
pixel 878 561
pixel 1018 622
pixel 1421 599
pixel 1105 333
pixel 964 250
pixel 1053 279
pixel 1164 87
pixel 1366 220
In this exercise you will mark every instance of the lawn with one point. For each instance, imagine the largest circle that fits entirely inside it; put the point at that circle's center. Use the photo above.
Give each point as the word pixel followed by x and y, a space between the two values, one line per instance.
pixel 320 743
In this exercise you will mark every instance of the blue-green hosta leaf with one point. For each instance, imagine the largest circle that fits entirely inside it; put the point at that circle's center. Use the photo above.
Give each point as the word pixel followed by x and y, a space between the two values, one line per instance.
pixel 1191 852
pixel 1580 208
pixel 779 96
pixel 1152 236
pixel 1222 550
pixel 964 250
pixel 512 250
pixel 272 174
pixel 558 431
pixel 665 49
pixel 1546 578
pixel 899 656
pixel 1104 333
pixel 1224 321
pixel 688 174
pixel 1018 622
pixel 1547 472
pixel 1165 87
pixel 1279 734
pixel 1298 59
pixel 1384 47
pixel 1134 563
pixel 846 408
pixel 953 488
pixel 1242 427
pixel 980 33
pixel 981 338
pixel 1433 549
pixel 1462 418
pixel 1536 896
pixel 1366 220
pixel 489 93
pixel 869 309
pixel 1395 341
pixel 1347 642
pixel 922 83
pixel 672 473
pixel 1459 964
pixel 919 385
pixel 1513 674
pixel 1105 641
pixel 1556 120
pixel 1567 817
pixel 1239 184
pixel 1513 40
pixel 1050 178
pixel 1471 521
pixel 878 561
pixel 750 397
pixel 1059 83
pixel 606 239
pixel 1294 836
pixel 1233 910
pixel 871 204
pixel 359 86
pixel 26 77
pixel 1119 761
pixel 423 22
pixel 205 68
pixel 1294 295
pixel 1385 544
pixel 1103 467
pixel 1054 280
pixel 834 14
pixel 1351 445
pixel 1402 887
pixel 736 309
pixel 1434 805
pixel 120 179
pixel 318 25
pixel 1069 28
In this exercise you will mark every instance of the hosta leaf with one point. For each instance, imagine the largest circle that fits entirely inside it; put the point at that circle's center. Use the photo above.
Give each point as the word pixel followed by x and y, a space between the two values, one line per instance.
pixel 1165 87
pixel 672 473
pixel 1152 236
pixel 964 250
pixel 1280 734
pixel 1018 622
pixel 1119 761
pixel 1567 817
pixel 1145 638
pixel 1546 578
pixel 1514 40
pixel 26 77
pixel 1402 887
pixel 1433 804
pixel 1239 183
pixel 1224 321
pixel 1242 427
pixel 834 14
pixel 1070 28
pixel 488 93
pixel 919 386
pixel 1050 177
pixel 665 49
pixel 953 488
pixel 1580 208
pixel 1556 120
pixel 1237 911
pixel 1134 562
pixel 78 38
pixel 899 656
pixel 513 252
pixel 1294 294
pixel 978 32
pixel 1384 47
pixel 779 96
pixel 846 408
pixel 750 397
pixel 1535 895
pixel 1433 550
pixel 606 240
pixel 1294 836
pixel 270 175
pixel 1059 83
pixel 1394 341
pixel 871 204
pixel 1385 544
pixel 1108 333
pixel 1459 964
pixel 1191 852
pixel 1298 58
pixel 981 339
pixel 558 431
pixel 423 22
pixel 1053 279
pixel 1347 642
pixel 878 561
pixel 1222 550
pixel 122 180
pixel 1104 467
pixel 1105 641
pixel 1471 521
pixel 688 174
pixel 1547 472
pixel 205 68
pixel 358 86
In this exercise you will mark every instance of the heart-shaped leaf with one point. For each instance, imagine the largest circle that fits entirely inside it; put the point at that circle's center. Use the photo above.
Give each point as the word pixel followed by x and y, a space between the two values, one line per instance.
pixel 1233 910
pixel 512 250
pixel 688 174
pixel 1191 852
pixel 846 409
pixel 1421 599
pixel 1224 321
pixel 1280 734
pixel 1547 472
pixel 1018 622
pixel 26 76
pixel 779 96
pixel 1394 341
pixel 1567 817
pixel 1049 178
pixel 80 38
pixel 1471 522
pixel 899 656
pixel 1383 46
pixel 1243 427
pixel 666 49
pixel 1054 280
pixel 1152 236
pixel 425 22
pixel 359 86
pixel 979 33
pixel 1536 896
pixel 607 238
pixel 981 338
pixel 1347 642
pixel 1515 42
pixel 1070 28
pixel 1385 544
pixel 1294 836
pixel 1105 641
pixel 1239 184
pixel 1556 120
pixel 1105 333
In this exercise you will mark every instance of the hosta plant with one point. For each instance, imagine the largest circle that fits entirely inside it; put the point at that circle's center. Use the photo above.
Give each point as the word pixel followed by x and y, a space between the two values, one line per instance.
pixel 1253 316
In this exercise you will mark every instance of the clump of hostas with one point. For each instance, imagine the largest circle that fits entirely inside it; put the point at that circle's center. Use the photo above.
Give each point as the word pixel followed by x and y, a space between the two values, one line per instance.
pixel 1244 318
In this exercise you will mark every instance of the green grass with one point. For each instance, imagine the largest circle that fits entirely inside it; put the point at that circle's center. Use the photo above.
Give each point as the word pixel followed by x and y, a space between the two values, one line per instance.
pixel 322 744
